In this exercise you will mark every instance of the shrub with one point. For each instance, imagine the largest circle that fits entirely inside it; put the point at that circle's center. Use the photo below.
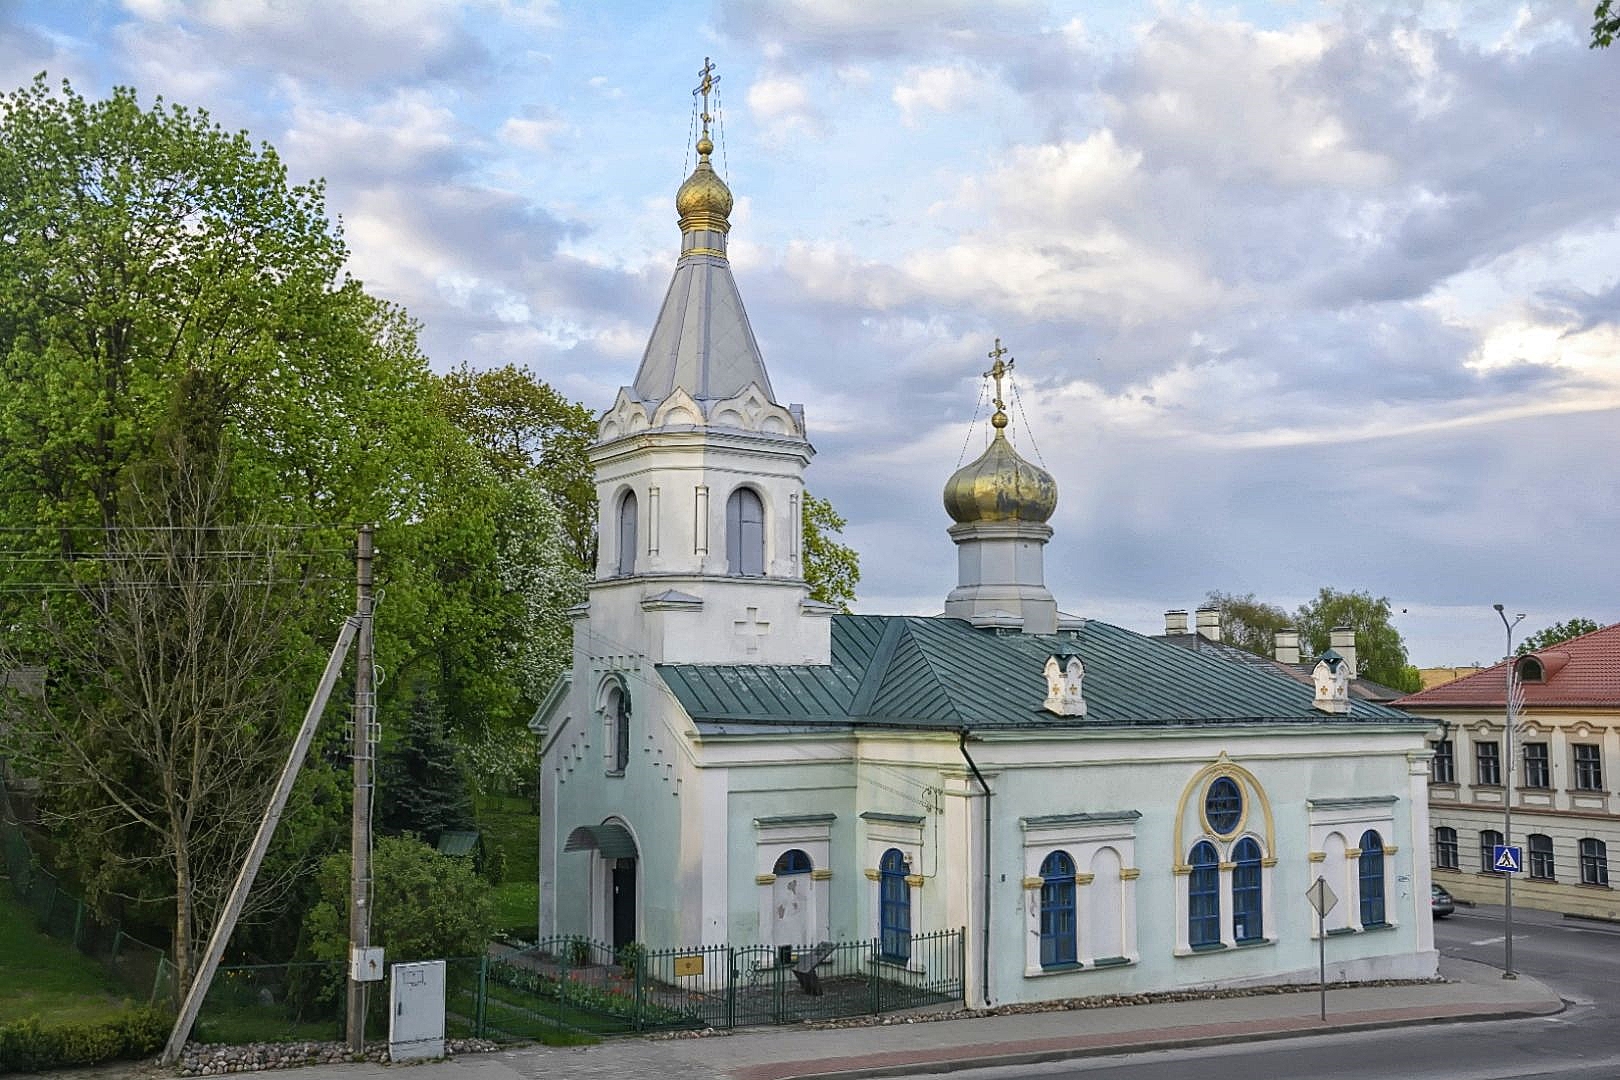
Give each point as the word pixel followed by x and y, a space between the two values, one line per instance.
pixel 28 1045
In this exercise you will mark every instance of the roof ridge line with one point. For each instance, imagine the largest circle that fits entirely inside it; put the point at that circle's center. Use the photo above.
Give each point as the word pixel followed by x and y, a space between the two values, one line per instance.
pixel 933 672
pixel 876 668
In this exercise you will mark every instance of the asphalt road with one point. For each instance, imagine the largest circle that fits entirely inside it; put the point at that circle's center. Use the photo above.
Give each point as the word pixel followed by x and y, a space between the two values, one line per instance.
pixel 1580 960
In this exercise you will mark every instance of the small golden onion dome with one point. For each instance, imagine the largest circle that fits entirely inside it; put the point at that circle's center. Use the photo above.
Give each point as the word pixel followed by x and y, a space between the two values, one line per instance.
pixel 1000 485
pixel 704 201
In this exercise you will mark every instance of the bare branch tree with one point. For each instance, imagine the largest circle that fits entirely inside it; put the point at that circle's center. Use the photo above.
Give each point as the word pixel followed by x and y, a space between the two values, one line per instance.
pixel 167 712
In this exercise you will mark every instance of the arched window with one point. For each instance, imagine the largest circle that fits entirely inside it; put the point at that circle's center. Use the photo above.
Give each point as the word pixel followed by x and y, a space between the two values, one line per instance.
pixel 894 907
pixel 1372 878
pixel 792 861
pixel 1204 896
pixel 618 718
pixel 1594 862
pixel 1057 910
pixel 1248 919
pixel 1489 841
pixel 1445 848
pixel 745 533
pixel 627 534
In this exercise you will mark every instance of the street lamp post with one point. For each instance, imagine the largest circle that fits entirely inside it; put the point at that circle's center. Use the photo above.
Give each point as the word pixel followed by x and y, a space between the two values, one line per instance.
pixel 1507 801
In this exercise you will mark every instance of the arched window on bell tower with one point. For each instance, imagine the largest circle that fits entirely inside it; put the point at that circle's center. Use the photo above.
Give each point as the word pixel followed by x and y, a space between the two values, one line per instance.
pixel 627 534
pixel 745 533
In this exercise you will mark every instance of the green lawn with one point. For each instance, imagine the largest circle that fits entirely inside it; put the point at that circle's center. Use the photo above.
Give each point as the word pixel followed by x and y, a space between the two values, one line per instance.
pixel 40 976
pixel 510 824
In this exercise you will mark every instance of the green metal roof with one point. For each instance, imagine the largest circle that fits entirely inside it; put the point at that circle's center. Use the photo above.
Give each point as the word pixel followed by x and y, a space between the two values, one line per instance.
pixel 943 674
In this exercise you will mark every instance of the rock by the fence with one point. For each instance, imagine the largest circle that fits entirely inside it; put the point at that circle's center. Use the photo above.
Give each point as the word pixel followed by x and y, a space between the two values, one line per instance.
pixel 217 1060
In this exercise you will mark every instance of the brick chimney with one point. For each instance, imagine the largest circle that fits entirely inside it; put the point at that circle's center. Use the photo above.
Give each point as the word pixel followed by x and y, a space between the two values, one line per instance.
pixel 1287 649
pixel 1342 640
pixel 1209 622
pixel 1175 622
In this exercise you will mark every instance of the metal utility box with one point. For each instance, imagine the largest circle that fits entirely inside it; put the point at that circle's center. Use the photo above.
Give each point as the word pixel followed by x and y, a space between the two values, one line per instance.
pixel 365 965
pixel 416 1011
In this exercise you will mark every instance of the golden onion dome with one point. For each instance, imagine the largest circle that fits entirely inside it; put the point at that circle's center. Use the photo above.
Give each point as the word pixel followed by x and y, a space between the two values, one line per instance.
pixel 704 201
pixel 1000 485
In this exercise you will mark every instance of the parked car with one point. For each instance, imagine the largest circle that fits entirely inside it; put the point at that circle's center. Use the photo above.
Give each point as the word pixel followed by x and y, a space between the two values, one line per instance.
pixel 1440 902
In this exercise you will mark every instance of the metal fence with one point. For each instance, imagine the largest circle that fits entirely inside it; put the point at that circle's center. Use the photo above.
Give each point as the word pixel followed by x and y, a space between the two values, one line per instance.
pixel 141 968
pixel 579 983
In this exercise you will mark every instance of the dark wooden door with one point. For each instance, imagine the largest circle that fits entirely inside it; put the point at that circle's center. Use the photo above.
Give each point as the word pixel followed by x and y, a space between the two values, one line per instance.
pixel 624 902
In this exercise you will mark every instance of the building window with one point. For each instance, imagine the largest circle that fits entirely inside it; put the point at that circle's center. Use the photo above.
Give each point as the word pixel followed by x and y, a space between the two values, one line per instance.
pixel 1223 806
pixel 1488 764
pixel 1541 857
pixel 894 907
pixel 1057 910
pixel 1372 878
pixel 1489 841
pixel 1588 767
pixel 1248 920
pixel 618 713
pixel 1594 862
pixel 745 533
pixel 1445 848
pixel 792 861
pixel 1204 896
pixel 627 534
pixel 1443 766
pixel 1536 773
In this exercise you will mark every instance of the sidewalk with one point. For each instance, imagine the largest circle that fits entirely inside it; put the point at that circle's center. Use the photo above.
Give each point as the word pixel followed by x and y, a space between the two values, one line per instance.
pixel 1474 992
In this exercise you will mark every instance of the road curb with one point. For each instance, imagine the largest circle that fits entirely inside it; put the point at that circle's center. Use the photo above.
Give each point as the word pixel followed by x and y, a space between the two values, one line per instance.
pixel 1125 1045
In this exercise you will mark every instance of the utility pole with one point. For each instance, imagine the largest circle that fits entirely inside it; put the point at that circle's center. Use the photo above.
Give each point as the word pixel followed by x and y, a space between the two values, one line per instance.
pixel 1507 792
pixel 365 711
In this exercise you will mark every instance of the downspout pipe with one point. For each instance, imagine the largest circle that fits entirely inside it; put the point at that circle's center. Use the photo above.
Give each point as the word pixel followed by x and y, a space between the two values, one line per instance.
pixel 984 944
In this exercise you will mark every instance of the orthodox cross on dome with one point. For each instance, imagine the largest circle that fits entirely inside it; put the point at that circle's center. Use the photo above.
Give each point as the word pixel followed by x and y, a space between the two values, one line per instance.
pixel 706 87
pixel 998 371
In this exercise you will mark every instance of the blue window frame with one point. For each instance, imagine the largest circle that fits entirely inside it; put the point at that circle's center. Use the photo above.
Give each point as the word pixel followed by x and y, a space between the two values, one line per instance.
pixel 1223 806
pixel 1372 878
pixel 894 907
pixel 1057 910
pixel 1204 896
pixel 1248 919
pixel 792 861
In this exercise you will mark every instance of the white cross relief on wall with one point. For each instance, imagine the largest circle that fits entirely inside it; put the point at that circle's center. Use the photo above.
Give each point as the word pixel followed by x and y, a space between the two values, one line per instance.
pixel 751 629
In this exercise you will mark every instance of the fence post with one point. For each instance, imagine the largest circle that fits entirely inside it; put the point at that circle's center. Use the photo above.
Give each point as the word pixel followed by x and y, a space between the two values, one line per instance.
pixel 640 988
pixel 78 921
pixel 157 979
pixel 731 987
pixel 480 1015
pixel 875 973
pixel 118 941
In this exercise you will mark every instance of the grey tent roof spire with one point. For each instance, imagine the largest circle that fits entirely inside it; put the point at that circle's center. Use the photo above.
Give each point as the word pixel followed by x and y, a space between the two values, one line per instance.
pixel 702 342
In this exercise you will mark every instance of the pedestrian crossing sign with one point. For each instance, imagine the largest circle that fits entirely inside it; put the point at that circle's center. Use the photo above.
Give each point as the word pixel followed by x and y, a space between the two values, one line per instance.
pixel 1507 860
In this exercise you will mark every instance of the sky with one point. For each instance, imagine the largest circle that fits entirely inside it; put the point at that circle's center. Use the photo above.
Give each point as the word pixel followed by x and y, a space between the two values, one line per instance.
pixel 1300 294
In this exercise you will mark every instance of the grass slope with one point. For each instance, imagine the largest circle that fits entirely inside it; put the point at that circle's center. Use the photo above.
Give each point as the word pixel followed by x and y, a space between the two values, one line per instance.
pixel 43 977
pixel 510 824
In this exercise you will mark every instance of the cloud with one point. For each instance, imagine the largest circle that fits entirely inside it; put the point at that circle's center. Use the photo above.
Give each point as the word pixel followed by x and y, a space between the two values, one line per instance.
pixel 935 89
pixel 783 106
pixel 347 43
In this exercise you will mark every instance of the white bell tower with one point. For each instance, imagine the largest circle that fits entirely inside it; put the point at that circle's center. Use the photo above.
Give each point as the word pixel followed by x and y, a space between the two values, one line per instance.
pixel 700 475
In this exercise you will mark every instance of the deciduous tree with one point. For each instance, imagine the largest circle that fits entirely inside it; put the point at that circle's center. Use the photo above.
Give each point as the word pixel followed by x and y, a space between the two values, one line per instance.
pixel 1380 650
pixel 1549 636
pixel 1247 622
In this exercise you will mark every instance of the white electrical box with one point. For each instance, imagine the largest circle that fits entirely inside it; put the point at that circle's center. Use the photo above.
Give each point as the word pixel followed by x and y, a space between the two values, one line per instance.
pixel 416 1011
pixel 365 965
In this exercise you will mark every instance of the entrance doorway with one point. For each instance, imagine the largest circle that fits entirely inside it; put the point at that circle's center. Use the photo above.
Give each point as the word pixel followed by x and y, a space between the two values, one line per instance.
pixel 624 902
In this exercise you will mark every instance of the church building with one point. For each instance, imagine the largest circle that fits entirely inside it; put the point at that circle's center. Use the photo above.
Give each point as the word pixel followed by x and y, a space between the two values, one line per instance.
pixel 1098 811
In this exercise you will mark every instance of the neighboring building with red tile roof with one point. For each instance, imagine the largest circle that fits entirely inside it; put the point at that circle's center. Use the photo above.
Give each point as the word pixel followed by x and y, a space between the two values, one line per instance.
pixel 1565 776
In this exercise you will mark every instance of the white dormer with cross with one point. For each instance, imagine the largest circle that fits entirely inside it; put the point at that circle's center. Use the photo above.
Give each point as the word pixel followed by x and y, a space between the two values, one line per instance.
pixel 1064 674
pixel 1332 678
